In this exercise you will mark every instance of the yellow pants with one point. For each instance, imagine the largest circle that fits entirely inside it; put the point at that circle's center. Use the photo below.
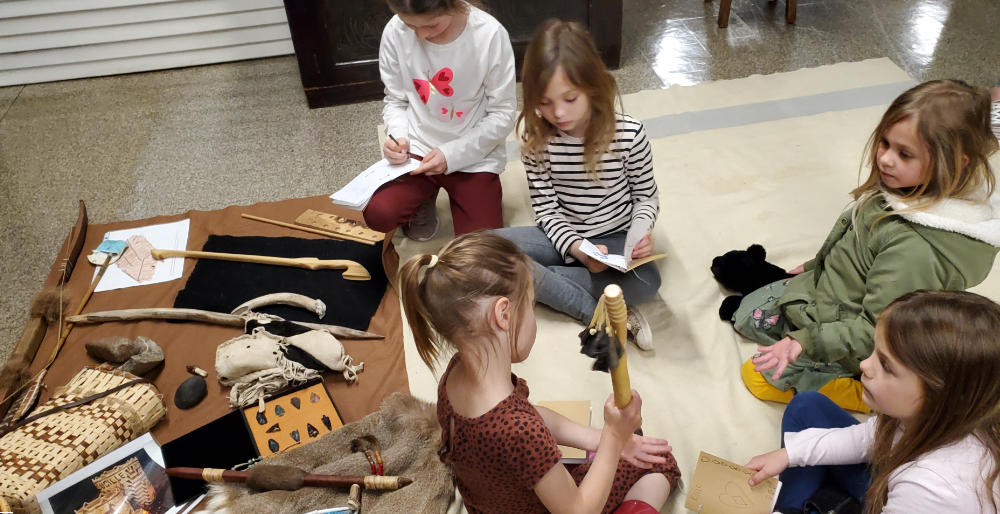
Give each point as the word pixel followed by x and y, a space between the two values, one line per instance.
pixel 845 392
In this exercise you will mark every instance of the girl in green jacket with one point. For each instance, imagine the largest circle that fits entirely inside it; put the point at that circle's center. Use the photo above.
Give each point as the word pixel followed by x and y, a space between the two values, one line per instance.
pixel 925 218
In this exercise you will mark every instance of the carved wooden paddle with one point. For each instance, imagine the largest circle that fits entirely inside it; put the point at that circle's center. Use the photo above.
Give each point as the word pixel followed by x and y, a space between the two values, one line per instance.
pixel 352 270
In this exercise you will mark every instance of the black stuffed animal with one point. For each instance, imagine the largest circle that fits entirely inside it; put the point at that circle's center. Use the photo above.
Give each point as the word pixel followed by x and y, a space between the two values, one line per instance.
pixel 743 271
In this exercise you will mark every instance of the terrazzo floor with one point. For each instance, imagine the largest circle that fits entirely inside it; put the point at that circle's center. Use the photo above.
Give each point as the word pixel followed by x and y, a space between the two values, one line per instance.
pixel 139 145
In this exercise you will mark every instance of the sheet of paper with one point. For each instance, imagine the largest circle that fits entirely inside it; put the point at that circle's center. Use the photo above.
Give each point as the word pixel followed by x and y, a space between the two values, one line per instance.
pixel 615 261
pixel 637 231
pixel 721 487
pixel 166 236
pixel 358 191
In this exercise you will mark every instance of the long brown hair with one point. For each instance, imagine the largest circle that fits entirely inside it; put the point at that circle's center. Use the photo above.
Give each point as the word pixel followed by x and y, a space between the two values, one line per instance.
pixel 953 121
pixel 567 44
pixel 442 301
pixel 430 6
pixel 949 339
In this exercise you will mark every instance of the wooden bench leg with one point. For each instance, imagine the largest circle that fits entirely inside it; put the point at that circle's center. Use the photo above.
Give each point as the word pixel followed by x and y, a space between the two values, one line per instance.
pixel 724 6
pixel 790 6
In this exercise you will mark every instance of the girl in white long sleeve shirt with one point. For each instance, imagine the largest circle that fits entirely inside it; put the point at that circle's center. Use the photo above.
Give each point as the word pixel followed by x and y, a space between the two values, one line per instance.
pixel 935 444
pixel 450 100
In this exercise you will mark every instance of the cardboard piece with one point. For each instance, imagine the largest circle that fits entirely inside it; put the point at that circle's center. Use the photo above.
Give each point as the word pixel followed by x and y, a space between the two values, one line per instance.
pixel 578 411
pixel 722 487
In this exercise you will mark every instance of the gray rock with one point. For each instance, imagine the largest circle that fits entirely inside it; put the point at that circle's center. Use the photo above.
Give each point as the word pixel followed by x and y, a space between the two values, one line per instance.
pixel 150 356
pixel 190 392
pixel 114 349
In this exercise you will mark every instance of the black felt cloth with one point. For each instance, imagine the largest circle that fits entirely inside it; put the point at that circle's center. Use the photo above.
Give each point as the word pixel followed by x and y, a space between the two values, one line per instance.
pixel 221 286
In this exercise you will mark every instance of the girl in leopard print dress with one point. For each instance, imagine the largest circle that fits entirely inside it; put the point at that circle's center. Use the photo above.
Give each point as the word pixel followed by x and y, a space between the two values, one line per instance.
pixel 476 298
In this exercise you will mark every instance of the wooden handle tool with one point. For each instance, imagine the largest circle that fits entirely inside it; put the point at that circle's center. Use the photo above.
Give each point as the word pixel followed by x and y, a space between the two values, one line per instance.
pixel 352 270
pixel 614 300
pixel 266 477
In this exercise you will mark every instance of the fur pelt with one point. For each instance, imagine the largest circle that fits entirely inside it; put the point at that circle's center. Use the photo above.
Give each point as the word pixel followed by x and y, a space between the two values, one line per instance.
pixel 51 304
pixel 408 431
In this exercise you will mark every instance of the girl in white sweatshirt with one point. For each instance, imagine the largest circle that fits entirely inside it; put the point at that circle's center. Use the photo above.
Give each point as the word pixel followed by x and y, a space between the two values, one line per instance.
pixel 450 100
pixel 935 443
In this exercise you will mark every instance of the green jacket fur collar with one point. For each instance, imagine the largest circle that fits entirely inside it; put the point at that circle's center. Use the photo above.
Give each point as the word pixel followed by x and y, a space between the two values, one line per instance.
pixel 870 258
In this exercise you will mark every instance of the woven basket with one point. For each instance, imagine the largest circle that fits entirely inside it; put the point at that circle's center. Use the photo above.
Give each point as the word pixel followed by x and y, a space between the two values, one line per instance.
pixel 46 450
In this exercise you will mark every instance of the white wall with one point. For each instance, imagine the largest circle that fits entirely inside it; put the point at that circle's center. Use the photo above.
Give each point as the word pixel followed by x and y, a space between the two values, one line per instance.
pixel 46 40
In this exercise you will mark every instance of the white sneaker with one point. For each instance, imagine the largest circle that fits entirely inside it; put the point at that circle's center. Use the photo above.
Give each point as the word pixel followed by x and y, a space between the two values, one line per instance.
pixel 424 223
pixel 639 332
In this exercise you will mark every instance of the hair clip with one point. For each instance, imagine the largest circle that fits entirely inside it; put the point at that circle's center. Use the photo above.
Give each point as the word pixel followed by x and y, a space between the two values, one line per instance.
pixel 434 260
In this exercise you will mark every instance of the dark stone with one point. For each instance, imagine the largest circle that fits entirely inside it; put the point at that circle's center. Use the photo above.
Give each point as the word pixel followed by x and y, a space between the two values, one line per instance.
pixel 190 392
pixel 274 428
pixel 261 418
pixel 311 430
pixel 295 435
pixel 296 402
pixel 279 410
pixel 326 421
pixel 114 349
pixel 273 445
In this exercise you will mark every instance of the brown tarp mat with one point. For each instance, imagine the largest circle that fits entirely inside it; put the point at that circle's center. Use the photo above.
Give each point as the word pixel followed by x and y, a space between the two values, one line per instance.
pixel 194 343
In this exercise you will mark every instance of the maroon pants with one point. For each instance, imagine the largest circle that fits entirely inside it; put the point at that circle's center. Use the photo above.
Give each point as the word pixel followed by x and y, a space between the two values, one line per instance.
pixel 475 200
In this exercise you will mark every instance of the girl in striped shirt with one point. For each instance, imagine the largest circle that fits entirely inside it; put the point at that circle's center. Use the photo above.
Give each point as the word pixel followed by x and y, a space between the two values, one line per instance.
pixel 590 176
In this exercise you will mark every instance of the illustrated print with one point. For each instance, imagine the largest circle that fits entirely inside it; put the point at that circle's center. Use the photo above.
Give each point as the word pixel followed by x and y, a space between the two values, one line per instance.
pixel 440 83
pixel 762 322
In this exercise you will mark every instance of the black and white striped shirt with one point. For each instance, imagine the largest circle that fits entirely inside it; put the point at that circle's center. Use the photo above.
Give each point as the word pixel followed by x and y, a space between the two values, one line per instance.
pixel 570 206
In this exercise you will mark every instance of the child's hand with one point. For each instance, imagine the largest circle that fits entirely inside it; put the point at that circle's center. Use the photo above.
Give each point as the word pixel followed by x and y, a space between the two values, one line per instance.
pixel 434 163
pixel 768 465
pixel 592 265
pixel 644 248
pixel 779 354
pixel 642 452
pixel 396 154
pixel 595 266
pixel 798 269
pixel 625 421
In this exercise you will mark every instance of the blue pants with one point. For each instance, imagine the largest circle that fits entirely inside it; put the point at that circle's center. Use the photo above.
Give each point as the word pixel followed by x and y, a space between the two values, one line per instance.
pixel 813 410
pixel 571 288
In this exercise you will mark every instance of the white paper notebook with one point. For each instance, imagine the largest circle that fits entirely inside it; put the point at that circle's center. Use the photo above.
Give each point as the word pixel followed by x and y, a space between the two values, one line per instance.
pixel 624 261
pixel 358 191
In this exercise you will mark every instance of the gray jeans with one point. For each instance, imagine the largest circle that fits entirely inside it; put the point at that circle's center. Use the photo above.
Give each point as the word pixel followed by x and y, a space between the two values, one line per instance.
pixel 571 288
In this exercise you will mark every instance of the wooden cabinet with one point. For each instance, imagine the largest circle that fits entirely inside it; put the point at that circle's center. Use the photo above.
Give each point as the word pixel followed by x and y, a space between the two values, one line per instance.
pixel 336 41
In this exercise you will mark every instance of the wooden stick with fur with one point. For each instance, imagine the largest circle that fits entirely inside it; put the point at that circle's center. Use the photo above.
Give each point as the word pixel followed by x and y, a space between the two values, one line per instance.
pixel 604 340
pixel 268 477
pixel 614 300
